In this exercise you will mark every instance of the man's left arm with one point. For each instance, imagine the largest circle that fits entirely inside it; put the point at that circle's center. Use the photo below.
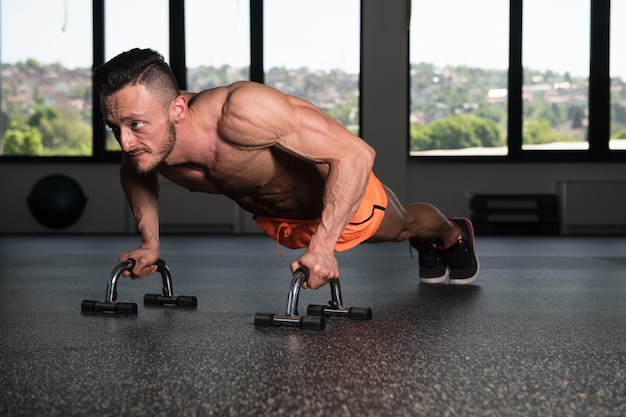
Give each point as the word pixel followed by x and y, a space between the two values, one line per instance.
pixel 350 159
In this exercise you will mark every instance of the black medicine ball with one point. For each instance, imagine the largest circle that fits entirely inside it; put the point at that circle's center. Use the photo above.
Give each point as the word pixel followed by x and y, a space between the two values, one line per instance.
pixel 56 201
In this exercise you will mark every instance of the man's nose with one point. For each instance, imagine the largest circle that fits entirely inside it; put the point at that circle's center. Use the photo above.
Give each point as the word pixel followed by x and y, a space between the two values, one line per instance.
pixel 127 140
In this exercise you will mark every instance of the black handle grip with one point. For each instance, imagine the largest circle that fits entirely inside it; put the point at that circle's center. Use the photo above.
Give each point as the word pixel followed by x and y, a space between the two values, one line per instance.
pixel 304 270
pixel 160 263
pixel 131 263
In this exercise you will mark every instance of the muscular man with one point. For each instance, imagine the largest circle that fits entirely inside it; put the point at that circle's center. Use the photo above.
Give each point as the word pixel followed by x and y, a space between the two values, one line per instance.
pixel 306 178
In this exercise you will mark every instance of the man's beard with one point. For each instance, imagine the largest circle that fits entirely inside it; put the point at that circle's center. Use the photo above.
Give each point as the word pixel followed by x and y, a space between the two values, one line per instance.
pixel 162 152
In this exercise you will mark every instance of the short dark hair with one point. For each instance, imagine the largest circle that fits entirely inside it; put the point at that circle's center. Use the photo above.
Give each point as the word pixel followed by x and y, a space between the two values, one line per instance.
pixel 136 66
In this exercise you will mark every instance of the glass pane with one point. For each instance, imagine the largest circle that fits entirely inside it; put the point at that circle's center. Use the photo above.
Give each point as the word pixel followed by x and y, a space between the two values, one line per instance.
pixel 618 75
pixel 135 24
pixel 46 56
pixel 318 57
pixel 555 56
pixel 218 42
pixel 459 77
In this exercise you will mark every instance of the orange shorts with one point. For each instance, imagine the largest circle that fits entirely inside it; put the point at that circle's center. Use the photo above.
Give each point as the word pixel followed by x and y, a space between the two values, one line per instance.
pixel 295 234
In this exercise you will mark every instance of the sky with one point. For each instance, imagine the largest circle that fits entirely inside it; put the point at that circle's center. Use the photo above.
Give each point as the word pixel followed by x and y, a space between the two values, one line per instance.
pixel 303 33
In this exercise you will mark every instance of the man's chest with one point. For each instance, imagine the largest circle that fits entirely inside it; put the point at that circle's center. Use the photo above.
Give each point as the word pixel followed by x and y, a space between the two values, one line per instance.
pixel 236 172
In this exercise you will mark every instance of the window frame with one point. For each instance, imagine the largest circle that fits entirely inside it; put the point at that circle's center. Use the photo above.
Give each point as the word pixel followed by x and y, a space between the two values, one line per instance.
pixel 598 133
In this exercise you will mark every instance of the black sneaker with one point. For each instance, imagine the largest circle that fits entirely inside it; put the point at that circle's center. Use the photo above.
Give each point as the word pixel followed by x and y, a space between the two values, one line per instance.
pixel 460 258
pixel 432 269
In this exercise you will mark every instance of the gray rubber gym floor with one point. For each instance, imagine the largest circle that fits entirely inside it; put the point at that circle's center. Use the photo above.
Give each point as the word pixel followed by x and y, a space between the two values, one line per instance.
pixel 541 333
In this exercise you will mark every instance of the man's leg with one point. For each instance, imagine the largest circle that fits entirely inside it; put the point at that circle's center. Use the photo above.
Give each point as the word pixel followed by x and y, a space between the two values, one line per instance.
pixel 422 223
pixel 444 245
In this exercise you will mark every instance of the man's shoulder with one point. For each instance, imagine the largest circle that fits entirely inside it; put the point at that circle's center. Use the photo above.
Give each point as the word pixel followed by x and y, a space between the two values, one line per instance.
pixel 236 90
pixel 246 86
pixel 252 89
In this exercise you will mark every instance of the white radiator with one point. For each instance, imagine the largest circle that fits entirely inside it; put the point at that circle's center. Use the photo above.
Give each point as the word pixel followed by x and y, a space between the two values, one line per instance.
pixel 592 207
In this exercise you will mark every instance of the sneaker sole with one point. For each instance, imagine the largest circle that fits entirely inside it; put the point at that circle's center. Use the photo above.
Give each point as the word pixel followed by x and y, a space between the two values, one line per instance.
pixel 466 281
pixel 436 280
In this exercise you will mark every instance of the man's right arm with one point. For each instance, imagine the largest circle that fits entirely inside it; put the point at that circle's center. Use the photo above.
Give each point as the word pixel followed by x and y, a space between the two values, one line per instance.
pixel 142 192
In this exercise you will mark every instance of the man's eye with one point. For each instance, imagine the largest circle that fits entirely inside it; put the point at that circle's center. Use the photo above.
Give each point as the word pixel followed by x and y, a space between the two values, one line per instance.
pixel 136 125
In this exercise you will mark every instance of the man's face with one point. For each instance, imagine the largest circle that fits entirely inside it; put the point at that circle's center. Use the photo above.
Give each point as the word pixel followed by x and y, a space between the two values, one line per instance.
pixel 141 125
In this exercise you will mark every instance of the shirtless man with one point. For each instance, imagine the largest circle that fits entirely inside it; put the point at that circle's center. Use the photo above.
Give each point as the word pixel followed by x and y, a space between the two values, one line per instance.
pixel 306 178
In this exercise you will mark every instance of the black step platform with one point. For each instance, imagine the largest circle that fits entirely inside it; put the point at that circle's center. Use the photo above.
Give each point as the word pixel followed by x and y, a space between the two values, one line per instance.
pixel 515 214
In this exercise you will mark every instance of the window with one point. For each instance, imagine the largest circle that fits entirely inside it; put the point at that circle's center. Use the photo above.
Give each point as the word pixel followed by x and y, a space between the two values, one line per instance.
pixel 549 97
pixel 555 56
pixel 458 77
pixel 217 42
pixel 495 78
pixel 317 58
pixel 618 76
pixel 46 55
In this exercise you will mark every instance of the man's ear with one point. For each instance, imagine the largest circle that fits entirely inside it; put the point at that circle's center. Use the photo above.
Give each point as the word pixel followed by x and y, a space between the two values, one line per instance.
pixel 178 109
